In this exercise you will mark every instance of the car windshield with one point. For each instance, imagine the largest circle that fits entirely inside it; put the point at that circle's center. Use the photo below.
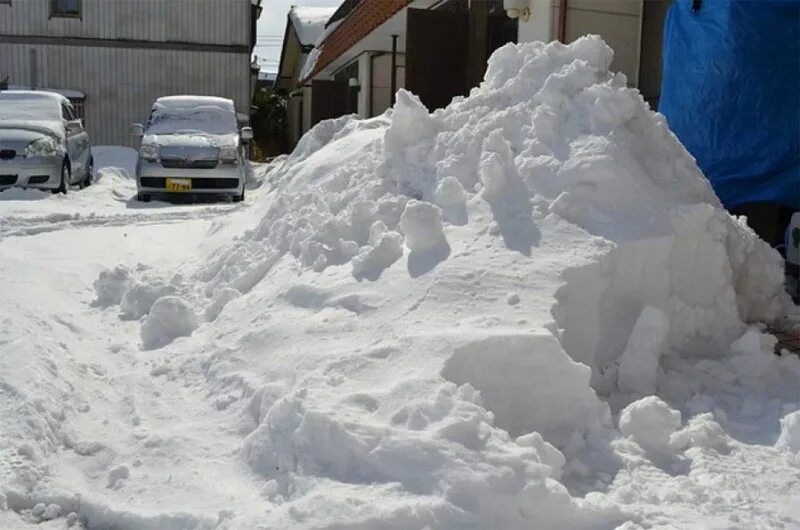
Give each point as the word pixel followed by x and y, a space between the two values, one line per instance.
pixel 31 107
pixel 199 119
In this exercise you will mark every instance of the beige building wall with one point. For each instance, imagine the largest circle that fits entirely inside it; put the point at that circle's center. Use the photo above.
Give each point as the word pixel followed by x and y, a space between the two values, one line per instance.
pixel 618 22
pixel 382 81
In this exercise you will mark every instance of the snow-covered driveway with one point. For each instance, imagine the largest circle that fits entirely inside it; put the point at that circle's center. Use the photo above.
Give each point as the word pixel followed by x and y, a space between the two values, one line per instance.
pixel 87 388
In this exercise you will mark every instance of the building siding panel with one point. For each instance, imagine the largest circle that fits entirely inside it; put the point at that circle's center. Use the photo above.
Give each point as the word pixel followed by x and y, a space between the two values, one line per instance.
pixel 121 84
pixel 222 22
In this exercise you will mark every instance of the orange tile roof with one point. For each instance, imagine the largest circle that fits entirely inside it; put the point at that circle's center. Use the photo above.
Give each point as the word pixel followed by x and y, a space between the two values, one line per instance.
pixel 365 19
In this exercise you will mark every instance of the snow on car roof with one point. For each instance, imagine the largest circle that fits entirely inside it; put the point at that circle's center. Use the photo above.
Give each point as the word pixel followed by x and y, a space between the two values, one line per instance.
pixel 192 115
pixel 184 102
pixel 40 95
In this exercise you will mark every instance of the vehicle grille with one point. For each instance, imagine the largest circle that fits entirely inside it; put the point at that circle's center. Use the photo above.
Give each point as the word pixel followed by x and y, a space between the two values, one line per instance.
pixel 197 184
pixel 7 154
pixel 38 179
pixel 8 180
pixel 177 163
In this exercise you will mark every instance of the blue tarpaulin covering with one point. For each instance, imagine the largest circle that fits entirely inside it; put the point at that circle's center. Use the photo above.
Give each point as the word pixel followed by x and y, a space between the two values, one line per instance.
pixel 731 93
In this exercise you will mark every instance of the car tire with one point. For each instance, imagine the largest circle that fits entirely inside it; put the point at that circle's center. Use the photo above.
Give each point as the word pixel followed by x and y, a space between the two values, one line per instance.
pixel 240 197
pixel 87 180
pixel 143 197
pixel 66 176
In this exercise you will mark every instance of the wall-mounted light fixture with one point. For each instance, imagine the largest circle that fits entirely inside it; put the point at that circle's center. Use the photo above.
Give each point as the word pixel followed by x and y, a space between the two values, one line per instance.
pixel 518 9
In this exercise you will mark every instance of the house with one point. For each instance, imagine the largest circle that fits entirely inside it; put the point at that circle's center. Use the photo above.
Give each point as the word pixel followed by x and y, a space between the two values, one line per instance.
pixel 371 48
pixel 633 28
pixel 438 49
pixel 116 57
pixel 304 26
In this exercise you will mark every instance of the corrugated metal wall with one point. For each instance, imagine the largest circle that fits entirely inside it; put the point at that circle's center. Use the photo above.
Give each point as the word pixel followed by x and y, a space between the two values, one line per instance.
pixel 121 83
pixel 199 21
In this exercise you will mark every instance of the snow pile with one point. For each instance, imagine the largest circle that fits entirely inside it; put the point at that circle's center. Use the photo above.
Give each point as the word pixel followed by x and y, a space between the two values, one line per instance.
pixel 443 306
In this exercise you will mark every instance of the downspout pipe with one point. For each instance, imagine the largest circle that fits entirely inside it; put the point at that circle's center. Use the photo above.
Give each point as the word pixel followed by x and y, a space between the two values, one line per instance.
pixel 562 21
pixel 394 69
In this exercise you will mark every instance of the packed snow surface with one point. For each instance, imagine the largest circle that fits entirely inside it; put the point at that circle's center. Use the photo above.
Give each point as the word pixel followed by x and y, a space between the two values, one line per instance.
pixel 525 310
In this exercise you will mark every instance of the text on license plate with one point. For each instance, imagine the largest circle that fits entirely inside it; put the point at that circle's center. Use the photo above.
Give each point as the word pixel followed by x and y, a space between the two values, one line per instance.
pixel 179 184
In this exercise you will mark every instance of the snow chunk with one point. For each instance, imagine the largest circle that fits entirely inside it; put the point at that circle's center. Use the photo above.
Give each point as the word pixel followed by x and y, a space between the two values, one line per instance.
pixel 111 286
pixel 505 369
pixel 638 364
pixel 371 262
pixel 702 431
pixel 450 196
pixel 118 473
pixel 139 299
pixel 789 439
pixel 171 317
pixel 422 224
pixel 219 302
pixel 650 422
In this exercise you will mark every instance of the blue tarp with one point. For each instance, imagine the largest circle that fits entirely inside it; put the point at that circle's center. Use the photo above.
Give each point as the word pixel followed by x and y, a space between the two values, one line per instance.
pixel 731 93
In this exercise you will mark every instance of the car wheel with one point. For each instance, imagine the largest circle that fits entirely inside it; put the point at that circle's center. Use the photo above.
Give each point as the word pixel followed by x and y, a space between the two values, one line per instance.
pixel 240 197
pixel 63 187
pixel 143 197
pixel 87 180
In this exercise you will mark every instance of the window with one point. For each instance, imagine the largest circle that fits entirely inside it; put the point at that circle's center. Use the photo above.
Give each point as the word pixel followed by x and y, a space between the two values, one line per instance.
pixel 65 8
pixel 67 113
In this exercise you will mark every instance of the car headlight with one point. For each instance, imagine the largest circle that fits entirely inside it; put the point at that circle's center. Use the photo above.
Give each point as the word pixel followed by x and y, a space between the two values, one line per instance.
pixel 43 147
pixel 228 154
pixel 149 152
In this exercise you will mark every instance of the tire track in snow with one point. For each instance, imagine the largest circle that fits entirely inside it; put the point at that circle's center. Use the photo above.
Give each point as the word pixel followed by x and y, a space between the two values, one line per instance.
pixel 19 227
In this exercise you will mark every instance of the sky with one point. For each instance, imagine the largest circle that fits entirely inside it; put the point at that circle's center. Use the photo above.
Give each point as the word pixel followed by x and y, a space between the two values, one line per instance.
pixel 272 25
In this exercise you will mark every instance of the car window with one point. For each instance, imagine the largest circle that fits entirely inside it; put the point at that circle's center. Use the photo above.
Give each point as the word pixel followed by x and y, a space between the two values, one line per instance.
pixel 66 112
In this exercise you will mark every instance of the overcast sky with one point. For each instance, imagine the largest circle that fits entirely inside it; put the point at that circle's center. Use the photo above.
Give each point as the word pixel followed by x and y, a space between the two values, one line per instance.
pixel 271 26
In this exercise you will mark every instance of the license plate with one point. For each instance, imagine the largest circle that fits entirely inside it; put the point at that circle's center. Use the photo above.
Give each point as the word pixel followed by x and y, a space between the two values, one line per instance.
pixel 179 184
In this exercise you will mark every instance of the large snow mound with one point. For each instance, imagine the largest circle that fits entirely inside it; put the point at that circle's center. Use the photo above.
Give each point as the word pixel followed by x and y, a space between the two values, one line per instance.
pixel 562 253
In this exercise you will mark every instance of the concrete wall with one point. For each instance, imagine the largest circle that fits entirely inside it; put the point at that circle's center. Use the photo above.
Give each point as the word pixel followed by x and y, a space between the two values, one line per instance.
pixel 121 84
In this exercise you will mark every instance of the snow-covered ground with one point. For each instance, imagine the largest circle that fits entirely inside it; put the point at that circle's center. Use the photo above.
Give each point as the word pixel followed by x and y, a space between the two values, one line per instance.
pixel 527 310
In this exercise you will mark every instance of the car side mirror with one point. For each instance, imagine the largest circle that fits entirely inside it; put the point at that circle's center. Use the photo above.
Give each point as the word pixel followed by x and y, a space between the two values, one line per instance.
pixel 74 126
pixel 137 130
pixel 247 133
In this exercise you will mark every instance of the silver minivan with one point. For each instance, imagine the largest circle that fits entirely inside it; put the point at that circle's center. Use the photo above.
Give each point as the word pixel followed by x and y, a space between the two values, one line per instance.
pixel 192 145
pixel 42 142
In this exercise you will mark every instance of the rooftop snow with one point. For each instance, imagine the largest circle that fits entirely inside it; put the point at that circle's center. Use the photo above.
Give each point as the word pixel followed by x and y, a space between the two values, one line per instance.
pixel 309 22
